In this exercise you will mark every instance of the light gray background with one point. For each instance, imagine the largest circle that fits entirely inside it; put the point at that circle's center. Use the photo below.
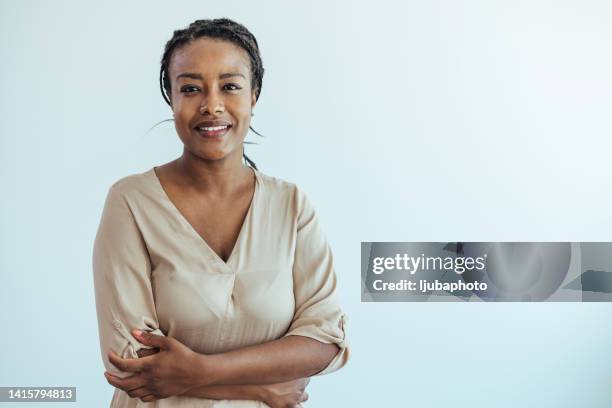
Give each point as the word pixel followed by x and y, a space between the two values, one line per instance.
pixel 426 121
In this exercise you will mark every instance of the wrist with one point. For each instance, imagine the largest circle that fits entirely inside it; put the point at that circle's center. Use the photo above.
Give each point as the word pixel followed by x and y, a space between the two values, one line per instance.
pixel 205 372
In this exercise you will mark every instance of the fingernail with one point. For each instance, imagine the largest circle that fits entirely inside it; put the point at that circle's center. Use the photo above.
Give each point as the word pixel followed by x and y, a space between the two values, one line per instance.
pixel 137 333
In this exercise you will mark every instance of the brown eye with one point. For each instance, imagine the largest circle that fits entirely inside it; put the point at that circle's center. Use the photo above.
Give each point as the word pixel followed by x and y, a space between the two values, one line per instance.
pixel 189 89
pixel 231 87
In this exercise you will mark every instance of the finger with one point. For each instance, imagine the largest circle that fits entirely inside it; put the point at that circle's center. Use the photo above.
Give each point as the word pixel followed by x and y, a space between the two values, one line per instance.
pixel 148 398
pixel 133 365
pixel 147 352
pixel 150 339
pixel 126 384
pixel 139 392
pixel 112 380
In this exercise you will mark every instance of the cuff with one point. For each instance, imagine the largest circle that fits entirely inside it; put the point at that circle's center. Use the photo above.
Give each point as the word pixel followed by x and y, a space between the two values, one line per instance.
pixel 127 346
pixel 329 334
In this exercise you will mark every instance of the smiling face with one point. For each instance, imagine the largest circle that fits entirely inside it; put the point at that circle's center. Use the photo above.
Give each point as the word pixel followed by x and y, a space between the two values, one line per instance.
pixel 211 97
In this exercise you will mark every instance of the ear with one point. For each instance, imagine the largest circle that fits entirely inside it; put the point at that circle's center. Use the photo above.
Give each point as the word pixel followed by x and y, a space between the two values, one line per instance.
pixel 253 98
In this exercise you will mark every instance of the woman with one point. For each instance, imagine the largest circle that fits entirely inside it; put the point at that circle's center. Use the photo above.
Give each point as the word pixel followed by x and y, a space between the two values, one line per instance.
pixel 214 282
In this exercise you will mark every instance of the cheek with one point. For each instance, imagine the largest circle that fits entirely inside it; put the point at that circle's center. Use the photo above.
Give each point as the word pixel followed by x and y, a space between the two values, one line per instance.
pixel 242 111
pixel 181 122
pixel 183 113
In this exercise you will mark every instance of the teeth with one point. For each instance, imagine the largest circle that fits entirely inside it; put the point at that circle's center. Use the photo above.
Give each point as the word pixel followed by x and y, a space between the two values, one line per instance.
pixel 212 129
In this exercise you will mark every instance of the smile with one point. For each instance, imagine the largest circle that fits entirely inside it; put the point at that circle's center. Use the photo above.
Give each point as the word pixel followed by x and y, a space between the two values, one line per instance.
pixel 213 131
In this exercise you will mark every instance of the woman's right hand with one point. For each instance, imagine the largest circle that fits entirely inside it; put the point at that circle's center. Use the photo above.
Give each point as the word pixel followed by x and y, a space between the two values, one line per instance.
pixel 287 394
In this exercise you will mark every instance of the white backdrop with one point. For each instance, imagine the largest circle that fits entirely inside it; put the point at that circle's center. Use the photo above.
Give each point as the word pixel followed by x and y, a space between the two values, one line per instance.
pixel 419 121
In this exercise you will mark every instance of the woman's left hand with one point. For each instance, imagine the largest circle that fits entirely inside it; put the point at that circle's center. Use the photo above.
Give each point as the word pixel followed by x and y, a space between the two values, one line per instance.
pixel 171 371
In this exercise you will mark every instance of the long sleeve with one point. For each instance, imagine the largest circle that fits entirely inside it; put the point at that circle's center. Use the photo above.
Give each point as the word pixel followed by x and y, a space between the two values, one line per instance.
pixel 122 280
pixel 317 312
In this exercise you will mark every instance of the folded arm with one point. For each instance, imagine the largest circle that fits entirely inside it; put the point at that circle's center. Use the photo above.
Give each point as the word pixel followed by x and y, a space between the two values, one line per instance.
pixel 219 392
pixel 285 359
pixel 283 394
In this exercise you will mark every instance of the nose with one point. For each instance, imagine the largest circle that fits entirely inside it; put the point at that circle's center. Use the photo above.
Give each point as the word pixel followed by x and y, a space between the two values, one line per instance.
pixel 212 104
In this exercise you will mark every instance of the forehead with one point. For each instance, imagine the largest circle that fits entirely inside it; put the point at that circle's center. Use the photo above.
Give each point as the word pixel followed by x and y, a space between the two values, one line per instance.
pixel 209 55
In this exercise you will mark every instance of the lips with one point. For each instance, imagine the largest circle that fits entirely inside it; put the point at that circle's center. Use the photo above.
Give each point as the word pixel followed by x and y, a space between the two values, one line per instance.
pixel 213 128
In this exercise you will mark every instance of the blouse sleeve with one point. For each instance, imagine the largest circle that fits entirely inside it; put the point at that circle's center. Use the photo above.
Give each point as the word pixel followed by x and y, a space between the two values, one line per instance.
pixel 317 312
pixel 122 280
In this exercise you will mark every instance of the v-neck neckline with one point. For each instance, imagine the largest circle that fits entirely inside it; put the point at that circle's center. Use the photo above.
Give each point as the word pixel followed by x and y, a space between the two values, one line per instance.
pixel 186 222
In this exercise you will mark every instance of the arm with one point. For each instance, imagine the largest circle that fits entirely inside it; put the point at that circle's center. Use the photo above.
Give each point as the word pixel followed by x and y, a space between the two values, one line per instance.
pixel 228 392
pixel 275 395
pixel 279 395
pixel 285 359
pixel 121 269
pixel 219 392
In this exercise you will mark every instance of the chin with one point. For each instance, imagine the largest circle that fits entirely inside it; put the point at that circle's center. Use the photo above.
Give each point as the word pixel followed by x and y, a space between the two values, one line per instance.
pixel 211 155
pixel 205 151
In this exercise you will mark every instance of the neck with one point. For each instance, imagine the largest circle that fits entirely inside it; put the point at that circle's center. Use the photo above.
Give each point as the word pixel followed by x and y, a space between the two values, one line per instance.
pixel 217 177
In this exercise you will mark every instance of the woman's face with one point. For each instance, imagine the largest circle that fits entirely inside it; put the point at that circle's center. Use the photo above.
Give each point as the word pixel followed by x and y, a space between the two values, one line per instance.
pixel 211 97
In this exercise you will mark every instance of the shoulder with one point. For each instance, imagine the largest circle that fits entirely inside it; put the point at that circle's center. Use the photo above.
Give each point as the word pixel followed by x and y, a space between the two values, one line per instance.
pixel 275 184
pixel 288 195
pixel 132 182
pixel 132 187
pixel 280 188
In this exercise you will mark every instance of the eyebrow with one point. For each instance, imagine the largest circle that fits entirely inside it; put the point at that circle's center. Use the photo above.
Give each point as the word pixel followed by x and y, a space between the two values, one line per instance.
pixel 198 76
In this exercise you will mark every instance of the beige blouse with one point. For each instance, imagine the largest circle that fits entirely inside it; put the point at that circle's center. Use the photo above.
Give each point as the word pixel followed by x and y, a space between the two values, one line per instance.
pixel 154 272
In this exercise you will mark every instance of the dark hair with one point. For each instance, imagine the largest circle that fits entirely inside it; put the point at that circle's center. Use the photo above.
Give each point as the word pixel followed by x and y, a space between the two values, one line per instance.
pixel 220 28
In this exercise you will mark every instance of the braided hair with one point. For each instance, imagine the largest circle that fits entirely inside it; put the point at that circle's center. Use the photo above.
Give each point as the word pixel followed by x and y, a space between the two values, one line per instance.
pixel 220 28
